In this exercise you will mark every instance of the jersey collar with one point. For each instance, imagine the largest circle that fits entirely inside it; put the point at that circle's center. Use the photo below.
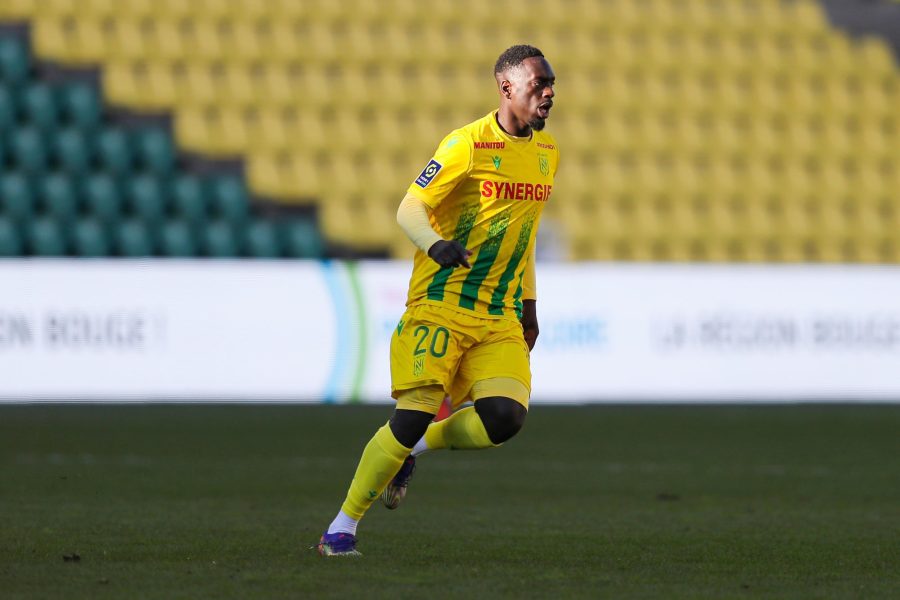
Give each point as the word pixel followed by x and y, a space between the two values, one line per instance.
pixel 495 125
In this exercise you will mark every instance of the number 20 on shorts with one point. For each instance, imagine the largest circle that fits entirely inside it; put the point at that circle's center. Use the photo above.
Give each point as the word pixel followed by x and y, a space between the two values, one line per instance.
pixel 439 341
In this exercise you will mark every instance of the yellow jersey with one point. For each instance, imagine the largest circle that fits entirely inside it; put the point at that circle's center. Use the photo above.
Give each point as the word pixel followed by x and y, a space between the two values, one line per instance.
pixel 486 189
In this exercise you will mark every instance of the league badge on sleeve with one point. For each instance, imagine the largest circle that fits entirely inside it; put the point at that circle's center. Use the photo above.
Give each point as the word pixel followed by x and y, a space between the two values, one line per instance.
pixel 428 173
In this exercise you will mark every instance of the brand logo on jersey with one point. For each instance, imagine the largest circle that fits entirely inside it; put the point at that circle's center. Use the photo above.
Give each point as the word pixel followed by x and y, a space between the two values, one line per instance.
pixel 496 160
pixel 451 142
pixel 544 164
pixel 428 173
pixel 515 190
pixel 490 145
pixel 545 146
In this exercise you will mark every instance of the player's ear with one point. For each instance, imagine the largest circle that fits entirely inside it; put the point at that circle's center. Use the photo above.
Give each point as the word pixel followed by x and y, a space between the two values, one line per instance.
pixel 506 88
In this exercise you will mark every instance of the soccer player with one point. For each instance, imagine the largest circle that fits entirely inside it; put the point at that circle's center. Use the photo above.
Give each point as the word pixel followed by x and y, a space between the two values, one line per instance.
pixel 471 318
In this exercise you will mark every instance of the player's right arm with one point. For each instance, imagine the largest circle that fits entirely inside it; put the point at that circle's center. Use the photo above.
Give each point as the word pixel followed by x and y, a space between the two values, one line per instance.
pixel 450 165
pixel 412 216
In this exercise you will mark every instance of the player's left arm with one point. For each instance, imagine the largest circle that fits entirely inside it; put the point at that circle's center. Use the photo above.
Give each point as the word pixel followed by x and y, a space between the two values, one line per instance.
pixel 529 318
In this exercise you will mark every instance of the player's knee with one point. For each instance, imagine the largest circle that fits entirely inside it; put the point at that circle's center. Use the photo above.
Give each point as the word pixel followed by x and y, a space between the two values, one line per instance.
pixel 408 426
pixel 502 417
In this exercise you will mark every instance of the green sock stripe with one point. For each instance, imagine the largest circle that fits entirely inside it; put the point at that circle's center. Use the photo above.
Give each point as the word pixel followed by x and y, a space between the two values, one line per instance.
pixel 486 257
pixel 463 228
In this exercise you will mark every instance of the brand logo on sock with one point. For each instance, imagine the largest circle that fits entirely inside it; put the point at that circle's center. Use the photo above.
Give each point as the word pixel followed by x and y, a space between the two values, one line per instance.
pixel 372 493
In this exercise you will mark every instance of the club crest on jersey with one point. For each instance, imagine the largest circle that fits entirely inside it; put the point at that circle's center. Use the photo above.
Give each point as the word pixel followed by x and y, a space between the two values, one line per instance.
pixel 428 173
pixel 543 163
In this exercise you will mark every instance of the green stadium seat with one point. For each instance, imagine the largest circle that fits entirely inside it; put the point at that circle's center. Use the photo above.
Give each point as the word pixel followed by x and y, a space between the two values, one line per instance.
pixel 114 152
pixel 177 240
pixel 10 242
pixel 261 239
pixel 189 200
pixel 28 151
pixel 59 198
pixel 102 198
pixel 154 151
pixel 146 198
pixel 16 198
pixel 219 240
pixel 132 239
pixel 89 239
pixel 7 108
pixel 72 150
pixel 80 106
pixel 45 238
pixel 301 238
pixel 38 106
pixel 13 61
pixel 229 199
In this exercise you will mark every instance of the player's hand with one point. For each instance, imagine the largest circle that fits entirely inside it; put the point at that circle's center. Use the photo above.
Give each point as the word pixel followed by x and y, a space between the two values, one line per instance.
pixel 529 322
pixel 450 253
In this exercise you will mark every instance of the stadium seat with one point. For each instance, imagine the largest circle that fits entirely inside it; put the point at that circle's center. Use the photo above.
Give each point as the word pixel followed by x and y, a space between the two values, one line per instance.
pixel 89 239
pixel 229 199
pixel 189 199
pixel 10 242
pixel 38 106
pixel 17 197
pixel 81 106
pixel 59 198
pixel 132 239
pixel 301 239
pixel 7 108
pixel 176 240
pixel 146 198
pixel 218 240
pixel 28 151
pixel 45 238
pixel 72 150
pixel 261 240
pixel 102 198
pixel 114 151
pixel 154 151
pixel 14 66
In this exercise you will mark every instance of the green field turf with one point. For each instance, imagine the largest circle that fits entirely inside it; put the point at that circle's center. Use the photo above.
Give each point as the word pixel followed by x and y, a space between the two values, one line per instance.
pixel 593 502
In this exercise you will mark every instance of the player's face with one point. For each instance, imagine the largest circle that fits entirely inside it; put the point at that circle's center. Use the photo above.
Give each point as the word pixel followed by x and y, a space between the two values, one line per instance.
pixel 532 92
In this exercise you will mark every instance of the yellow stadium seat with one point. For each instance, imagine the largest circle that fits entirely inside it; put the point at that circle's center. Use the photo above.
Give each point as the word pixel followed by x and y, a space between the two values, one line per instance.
pixel 284 175
pixel 142 86
pixel 18 9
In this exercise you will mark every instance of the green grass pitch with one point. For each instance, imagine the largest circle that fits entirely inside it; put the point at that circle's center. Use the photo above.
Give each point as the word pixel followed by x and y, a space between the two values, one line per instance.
pixel 172 501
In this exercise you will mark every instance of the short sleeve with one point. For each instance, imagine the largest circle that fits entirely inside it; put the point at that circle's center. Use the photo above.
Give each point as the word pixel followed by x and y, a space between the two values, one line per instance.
pixel 450 164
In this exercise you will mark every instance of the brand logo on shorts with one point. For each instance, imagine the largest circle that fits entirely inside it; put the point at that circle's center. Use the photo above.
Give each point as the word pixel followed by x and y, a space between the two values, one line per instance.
pixel 418 366
pixel 428 173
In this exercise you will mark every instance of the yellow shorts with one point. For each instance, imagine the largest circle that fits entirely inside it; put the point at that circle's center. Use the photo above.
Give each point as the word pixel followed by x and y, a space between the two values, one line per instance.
pixel 436 345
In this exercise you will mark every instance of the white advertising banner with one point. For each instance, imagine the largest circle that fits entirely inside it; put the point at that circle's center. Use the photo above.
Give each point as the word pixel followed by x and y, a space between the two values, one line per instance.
pixel 692 333
pixel 145 330
pixel 320 331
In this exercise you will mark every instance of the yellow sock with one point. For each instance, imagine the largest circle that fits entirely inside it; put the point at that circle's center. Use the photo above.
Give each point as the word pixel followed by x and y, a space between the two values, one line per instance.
pixel 380 461
pixel 463 430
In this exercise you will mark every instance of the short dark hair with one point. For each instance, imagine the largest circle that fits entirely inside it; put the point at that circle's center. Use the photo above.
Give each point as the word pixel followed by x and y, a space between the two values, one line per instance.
pixel 514 55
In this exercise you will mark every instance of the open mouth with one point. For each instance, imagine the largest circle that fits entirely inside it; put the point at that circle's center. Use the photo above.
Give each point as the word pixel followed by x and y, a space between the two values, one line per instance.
pixel 544 109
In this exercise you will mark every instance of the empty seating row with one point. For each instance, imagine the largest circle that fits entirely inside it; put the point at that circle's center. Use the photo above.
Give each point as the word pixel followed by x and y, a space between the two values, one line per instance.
pixel 177 238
